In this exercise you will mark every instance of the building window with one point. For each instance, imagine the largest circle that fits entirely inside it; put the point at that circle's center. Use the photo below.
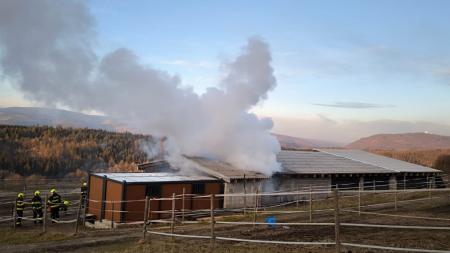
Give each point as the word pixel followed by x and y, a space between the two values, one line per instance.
pixel 154 191
pixel 198 188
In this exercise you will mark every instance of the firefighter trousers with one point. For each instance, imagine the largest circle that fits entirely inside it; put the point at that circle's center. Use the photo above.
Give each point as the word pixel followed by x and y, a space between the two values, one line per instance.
pixel 37 215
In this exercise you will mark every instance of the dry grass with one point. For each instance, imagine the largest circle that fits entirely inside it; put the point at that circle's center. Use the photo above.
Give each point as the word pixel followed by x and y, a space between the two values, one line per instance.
pixel 389 237
pixel 31 236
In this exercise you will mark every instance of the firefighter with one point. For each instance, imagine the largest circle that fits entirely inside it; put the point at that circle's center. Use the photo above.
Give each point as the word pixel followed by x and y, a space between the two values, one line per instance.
pixel 83 193
pixel 65 205
pixel 20 205
pixel 54 201
pixel 36 204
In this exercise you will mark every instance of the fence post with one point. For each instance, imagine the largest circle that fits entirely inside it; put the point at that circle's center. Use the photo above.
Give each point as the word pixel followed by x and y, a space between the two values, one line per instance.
pixel 149 219
pixel 145 217
pixel 359 200
pixel 404 182
pixel 44 223
pixel 298 196
pixel 429 191
pixel 245 195
pixel 112 214
pixel 337 222
pixel 85 202
pixel 172 223
pixel 78 215
pixel 255 209
pixel 395 199
pixel 310 203
pixel 374 185
pixel 183 205
pixel 213 221
pixel 14 214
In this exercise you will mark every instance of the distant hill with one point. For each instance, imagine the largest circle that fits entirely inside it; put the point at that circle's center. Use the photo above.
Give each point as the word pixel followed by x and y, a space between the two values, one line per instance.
pixel 289 142
pixel 32 116
pixel 405 141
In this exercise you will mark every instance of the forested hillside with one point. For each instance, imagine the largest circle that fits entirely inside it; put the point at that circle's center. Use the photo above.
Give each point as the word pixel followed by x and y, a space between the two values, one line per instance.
pixel 58 152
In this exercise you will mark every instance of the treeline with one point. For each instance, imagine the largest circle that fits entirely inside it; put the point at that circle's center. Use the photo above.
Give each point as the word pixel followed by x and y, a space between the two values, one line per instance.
pixel 56 152
pixel 435 158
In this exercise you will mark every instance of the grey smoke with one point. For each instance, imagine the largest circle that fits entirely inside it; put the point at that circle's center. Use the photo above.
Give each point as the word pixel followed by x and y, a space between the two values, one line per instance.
pixel 47 50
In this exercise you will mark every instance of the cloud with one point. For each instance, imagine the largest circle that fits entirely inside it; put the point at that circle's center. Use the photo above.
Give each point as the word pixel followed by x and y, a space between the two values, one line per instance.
pixel 443 74
pixel 354 105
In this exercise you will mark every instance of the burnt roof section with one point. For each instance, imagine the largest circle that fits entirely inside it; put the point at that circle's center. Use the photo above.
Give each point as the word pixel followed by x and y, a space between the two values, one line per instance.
pixel 225 171
pixel 310 162
pixel 141 177
pixel 209 167
pixel 379 161
pixel 157 166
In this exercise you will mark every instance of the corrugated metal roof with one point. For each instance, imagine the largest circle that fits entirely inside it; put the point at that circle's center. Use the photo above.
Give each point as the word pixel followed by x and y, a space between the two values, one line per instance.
pixel 310 162
pixel 224 170
pixel 378 160
pixel 153 177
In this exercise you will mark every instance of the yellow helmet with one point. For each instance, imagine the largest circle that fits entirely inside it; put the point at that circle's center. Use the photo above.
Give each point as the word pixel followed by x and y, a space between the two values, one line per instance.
pixel 53 190
pixel 66 202
pixel 20 195
pixel 84 184
pixel 37 193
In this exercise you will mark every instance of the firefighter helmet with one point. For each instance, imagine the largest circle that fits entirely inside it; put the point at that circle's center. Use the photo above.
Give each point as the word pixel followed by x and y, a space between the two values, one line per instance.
pixel 20 195
pixel 37 193
pixel 53 190
pixel 66 202
pixel 84 184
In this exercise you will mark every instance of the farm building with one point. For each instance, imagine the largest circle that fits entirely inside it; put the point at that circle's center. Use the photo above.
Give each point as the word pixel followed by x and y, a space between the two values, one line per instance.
pixel 324 169
pixel 316 170
pixel 130 190
pixel 320 169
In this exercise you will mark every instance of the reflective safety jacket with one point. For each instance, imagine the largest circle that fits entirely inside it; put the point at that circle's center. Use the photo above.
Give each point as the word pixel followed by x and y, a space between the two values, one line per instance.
pixel 20 204
pixel 54 200
pixel 83 190
pixel 36 202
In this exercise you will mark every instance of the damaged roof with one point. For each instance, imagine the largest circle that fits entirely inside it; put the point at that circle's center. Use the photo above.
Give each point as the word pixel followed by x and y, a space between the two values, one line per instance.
pixel 225 171
pixel 209 167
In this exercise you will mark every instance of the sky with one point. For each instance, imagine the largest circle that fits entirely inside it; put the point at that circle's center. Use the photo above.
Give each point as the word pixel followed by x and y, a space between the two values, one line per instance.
pixel 344 69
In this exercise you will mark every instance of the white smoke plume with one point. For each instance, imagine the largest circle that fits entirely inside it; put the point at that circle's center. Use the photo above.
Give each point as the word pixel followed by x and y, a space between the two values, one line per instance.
pixel 46 48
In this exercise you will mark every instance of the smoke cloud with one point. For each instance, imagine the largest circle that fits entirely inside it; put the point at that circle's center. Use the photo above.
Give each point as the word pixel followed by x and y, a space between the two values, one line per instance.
pixel 46 48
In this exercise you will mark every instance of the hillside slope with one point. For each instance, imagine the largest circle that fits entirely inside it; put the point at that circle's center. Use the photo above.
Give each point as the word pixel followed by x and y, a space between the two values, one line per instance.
pixel 32 116
pixel 405 141
pixel 58 152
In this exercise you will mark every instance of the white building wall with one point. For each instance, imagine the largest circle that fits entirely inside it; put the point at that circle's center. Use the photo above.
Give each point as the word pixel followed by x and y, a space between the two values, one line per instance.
pixel 274 184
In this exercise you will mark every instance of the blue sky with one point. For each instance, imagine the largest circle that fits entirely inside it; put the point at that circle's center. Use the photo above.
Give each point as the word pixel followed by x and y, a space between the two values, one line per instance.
pixel 338 63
